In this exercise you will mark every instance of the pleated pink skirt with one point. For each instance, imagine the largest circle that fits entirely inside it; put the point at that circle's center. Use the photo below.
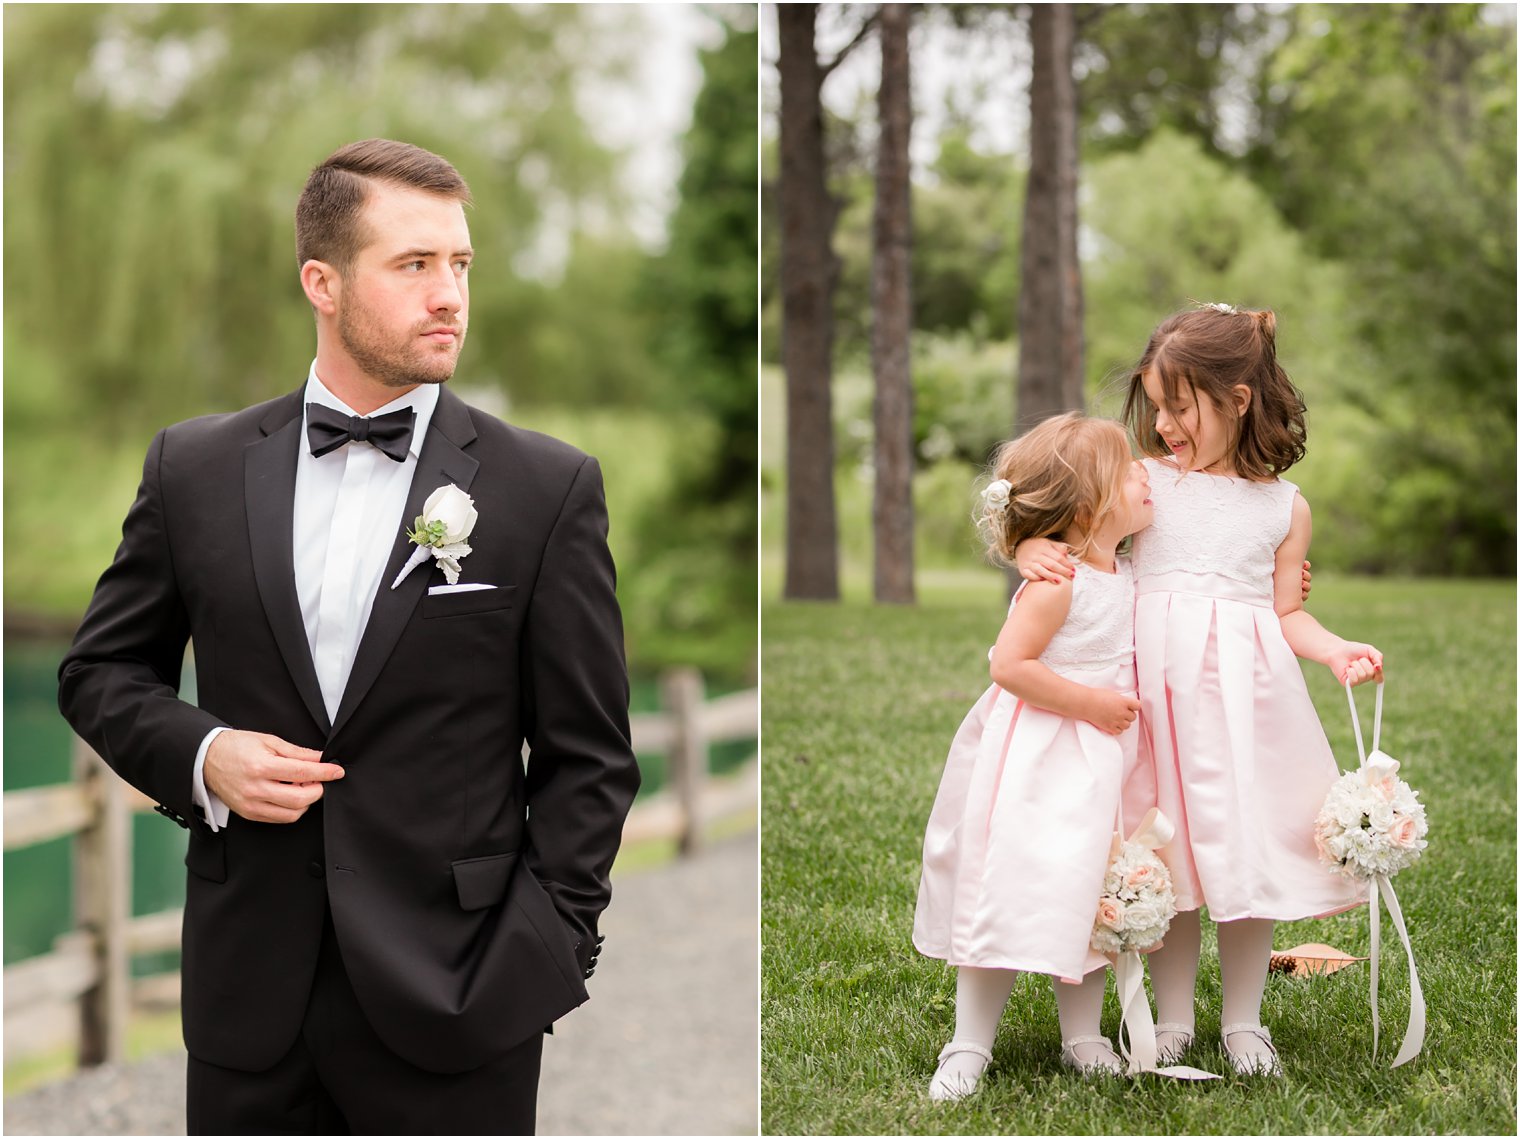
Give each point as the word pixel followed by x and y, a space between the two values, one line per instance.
pixel 1239 760
pixel 1018 839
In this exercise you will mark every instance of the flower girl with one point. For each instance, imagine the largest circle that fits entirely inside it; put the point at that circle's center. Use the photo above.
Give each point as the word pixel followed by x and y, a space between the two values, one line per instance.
pixel 1018 840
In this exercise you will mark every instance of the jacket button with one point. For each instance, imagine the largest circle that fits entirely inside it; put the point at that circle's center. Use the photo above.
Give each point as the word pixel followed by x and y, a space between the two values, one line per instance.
pixel 315 869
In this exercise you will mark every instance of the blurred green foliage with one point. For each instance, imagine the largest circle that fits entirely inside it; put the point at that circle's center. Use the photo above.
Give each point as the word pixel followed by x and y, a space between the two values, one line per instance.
pixel 153 157
pixel 1350 166
pixel 695 569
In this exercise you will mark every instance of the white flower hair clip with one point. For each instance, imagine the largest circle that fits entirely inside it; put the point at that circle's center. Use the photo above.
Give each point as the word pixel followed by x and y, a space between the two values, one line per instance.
pixel 997 494
pixel 1220 306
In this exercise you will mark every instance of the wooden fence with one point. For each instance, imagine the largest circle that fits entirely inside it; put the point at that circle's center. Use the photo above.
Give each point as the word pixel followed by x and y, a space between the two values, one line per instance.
pixel 83 990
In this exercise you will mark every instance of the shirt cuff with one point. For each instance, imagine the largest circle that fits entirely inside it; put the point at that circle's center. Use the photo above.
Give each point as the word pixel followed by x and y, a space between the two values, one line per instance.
pixel 212 808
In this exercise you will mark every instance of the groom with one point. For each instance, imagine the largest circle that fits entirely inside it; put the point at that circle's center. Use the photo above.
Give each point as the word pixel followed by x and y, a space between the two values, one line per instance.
pixel 386 908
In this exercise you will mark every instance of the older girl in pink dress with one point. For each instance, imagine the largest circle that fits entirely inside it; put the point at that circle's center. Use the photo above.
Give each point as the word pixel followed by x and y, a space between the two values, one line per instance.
pixel 1230 744
pixel 1018 840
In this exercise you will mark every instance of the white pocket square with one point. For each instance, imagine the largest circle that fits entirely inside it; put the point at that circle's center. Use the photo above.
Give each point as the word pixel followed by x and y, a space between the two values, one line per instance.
pixel 462 587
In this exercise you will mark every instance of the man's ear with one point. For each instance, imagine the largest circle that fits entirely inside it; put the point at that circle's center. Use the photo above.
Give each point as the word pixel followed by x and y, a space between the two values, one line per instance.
pixel 1241 393
pixel 323 286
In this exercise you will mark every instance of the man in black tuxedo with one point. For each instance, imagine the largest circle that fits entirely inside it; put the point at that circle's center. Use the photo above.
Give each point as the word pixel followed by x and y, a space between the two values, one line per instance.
pixel 385 908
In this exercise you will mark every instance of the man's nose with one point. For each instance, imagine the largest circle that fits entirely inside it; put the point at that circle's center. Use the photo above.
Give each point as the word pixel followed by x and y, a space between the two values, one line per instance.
pixel 446 294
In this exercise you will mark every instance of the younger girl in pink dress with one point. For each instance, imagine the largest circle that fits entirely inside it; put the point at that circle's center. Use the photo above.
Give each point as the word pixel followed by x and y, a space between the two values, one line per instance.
pixel 1229 735
pixel 1018 840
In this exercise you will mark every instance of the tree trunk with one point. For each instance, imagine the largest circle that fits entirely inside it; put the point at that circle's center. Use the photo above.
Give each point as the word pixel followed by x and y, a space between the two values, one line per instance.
pixel 809 270
pixel 891 302
pixel 1050 294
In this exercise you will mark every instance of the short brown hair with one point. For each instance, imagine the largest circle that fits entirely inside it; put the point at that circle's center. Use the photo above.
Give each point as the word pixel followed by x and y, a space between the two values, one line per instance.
pixel 1067 471
pixel 327 214
pixel 1210 350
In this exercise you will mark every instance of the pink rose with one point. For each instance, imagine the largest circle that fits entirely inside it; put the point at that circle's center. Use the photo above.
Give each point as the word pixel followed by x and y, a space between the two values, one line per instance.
pixel 1110 913
pixel 1140 875
pixel 1405 832
pixel 1385 788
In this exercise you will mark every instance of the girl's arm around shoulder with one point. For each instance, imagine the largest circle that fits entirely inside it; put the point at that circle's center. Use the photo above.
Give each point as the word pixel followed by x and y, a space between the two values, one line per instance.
pixel 1042 559
pixel 1041 610
pixel 1305 636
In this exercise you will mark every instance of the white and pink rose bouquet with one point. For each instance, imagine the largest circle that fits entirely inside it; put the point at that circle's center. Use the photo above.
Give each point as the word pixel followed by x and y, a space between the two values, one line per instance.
pixel 1137 903
pixel 1372 822
pixel 1371 826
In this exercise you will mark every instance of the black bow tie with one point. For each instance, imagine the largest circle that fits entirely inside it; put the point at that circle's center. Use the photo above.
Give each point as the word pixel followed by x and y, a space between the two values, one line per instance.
pixel 328 430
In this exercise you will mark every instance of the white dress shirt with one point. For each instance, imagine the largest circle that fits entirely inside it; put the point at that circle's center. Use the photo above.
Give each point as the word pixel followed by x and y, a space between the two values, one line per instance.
pixel 373 489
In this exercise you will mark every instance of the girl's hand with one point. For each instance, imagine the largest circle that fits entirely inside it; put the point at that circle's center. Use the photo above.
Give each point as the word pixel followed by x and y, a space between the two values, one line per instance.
pixel 1040 559
pixel 1112 712
pixel 1308 577
pixel 1356 662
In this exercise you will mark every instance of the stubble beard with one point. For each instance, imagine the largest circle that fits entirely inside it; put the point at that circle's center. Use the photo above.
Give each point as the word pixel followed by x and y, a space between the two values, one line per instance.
pixel 394 366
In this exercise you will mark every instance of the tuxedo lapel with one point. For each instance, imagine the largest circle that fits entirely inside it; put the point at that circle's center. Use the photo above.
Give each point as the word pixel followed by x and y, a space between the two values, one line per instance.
pixel 442 460
pixel 269 488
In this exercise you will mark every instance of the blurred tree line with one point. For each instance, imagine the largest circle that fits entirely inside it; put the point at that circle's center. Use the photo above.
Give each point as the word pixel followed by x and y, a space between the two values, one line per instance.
pixel 153 157
pixel 1351 166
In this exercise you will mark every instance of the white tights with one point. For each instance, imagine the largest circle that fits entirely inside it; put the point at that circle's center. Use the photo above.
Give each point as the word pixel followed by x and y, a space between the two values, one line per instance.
pixel 982 994
pixel 1245 948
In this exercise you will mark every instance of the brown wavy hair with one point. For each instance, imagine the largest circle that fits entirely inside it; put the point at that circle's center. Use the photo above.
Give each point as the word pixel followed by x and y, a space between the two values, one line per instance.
pixel 1209 352
pixel 1067 471
pixel 328 222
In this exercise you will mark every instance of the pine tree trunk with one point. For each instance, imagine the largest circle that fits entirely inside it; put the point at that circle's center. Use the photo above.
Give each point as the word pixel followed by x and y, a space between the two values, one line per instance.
pixel 809 271
pixel 1050 294
pixel 891 302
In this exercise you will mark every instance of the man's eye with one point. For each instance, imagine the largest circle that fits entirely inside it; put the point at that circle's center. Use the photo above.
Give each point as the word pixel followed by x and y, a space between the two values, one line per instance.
pixel 462 266
pixel 413 265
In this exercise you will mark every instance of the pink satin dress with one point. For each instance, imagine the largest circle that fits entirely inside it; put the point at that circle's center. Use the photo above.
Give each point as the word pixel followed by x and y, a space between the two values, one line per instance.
pixel 1230 744
pixel 1018 839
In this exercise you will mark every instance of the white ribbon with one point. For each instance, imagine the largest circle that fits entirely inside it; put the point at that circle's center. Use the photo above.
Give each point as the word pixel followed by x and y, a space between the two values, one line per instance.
pixel 419 555
pixel 1379 765
pixel 1154 831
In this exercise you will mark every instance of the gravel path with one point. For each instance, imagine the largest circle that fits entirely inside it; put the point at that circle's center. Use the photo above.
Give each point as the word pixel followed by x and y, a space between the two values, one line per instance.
pixel 668 1044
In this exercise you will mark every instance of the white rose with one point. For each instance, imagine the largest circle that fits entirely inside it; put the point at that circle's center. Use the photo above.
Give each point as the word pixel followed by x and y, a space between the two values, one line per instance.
pixel 1141 915
pixel 996 494
pixel 455 509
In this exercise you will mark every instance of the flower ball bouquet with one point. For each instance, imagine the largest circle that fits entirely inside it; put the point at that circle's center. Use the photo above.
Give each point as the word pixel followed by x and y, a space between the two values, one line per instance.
pixel 1372 825
pixel 1134 911
pixel 1137 904
pixel 1372 822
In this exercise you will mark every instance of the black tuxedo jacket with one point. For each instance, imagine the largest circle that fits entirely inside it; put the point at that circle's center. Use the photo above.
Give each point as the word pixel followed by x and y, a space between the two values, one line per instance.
pixel 464 888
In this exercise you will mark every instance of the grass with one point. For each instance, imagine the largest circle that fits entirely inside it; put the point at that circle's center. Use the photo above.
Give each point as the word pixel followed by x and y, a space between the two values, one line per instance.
pixel 860 704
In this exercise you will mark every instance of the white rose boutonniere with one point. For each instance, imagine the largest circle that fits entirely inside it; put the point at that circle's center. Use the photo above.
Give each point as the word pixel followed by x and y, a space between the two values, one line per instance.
pixel 440 531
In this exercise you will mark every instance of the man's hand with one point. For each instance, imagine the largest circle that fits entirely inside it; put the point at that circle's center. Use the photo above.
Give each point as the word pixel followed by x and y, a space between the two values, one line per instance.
pixel 1113 712
pixel 265 779
pixel 1308 577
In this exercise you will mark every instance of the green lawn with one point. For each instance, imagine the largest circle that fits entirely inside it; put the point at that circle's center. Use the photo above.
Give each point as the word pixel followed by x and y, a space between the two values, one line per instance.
pixel 860 704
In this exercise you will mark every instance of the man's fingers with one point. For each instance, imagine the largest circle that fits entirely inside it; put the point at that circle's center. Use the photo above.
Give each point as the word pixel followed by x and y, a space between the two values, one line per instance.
pixel 280 769
pixel 292 796
pixel 263 811
pixel 290 750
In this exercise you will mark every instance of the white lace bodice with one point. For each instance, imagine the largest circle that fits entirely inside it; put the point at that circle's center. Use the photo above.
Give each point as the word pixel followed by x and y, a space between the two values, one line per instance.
pixel 1214 524
pixel 1099 629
